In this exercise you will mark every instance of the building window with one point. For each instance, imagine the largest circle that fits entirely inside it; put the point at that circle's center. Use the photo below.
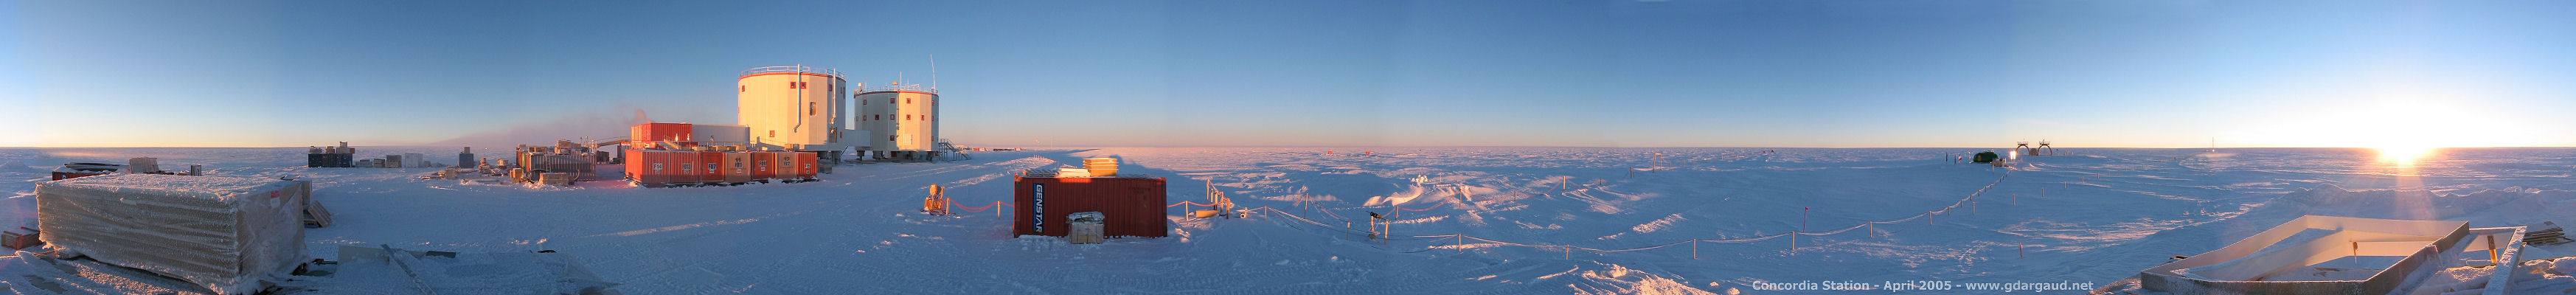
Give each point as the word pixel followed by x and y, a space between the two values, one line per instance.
pixel 907 100
pixel 745 88
pixel 773 133
pixel 889 100
pixel 889 138
pixel 907 117
pixel 809 109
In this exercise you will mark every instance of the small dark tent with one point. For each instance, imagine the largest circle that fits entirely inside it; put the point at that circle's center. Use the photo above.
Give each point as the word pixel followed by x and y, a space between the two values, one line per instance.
pixel 1986 157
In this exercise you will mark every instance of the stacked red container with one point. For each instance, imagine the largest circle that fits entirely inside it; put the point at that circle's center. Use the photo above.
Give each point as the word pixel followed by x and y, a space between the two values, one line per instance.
pixel 647 133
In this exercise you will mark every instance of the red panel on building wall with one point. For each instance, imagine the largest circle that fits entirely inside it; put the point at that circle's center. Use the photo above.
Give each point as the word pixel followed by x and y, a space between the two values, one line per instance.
pixel 1133 205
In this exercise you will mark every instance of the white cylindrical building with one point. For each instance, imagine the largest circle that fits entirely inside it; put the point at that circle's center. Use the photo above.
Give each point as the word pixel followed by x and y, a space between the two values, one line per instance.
pixel 791 106
pixel 902 120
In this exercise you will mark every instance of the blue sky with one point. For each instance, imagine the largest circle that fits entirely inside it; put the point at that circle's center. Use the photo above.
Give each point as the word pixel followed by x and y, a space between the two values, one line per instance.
pixel 1316 73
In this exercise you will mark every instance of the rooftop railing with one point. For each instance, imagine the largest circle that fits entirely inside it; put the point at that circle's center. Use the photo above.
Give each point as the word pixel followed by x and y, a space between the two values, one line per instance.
pixel 914 88
pixel 791 69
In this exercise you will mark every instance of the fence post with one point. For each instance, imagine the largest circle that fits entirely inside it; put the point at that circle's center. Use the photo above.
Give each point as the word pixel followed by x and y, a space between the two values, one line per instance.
pixel 1873 229
pixel 1694 249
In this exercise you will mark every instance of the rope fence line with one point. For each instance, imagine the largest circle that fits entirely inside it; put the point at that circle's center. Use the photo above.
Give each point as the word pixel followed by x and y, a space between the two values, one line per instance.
pixel 1462 238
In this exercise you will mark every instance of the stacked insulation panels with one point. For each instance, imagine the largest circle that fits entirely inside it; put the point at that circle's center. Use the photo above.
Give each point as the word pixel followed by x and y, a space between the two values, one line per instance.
pixel 1131 205
pixel 224 233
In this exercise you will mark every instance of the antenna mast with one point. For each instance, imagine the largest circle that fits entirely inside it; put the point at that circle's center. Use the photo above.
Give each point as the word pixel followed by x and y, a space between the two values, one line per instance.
pixel 934 71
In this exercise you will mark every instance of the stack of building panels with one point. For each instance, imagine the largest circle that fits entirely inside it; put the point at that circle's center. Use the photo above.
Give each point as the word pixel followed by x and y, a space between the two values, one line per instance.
pixel 225 233
pixel 1102 167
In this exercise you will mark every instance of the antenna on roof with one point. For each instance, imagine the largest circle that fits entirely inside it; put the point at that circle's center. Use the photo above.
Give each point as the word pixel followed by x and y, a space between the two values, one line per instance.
pixel 934 71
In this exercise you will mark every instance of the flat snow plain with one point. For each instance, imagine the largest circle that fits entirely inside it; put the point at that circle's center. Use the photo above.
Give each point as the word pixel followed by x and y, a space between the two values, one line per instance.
pixel 2090 216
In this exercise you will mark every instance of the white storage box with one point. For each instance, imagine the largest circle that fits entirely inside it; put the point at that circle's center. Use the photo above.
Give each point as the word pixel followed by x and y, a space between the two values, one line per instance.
pixel 225 233
pixel 1086 227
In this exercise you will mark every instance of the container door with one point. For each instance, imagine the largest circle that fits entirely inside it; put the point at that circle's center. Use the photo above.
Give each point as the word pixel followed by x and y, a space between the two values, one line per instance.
pixel 760 164
pixel 658 171
pixel 714 170
pixel 805 162
pixel 688 172
pixel 737 167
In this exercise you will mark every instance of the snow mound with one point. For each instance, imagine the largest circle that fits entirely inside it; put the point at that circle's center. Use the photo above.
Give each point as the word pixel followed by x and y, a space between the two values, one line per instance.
pixel 15 166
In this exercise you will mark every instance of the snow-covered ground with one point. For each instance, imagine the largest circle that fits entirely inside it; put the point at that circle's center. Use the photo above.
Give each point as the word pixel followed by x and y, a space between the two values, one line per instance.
pixel 2089 217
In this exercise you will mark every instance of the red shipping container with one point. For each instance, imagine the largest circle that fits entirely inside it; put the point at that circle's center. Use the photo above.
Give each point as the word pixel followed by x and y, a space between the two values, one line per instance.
pixel 634 168
pixel 710 173
pixel 805 165
pixel 654 168
pixel 737 167
pixel 688 170
pixel 1133 204
pixel 792 165
pixel 762 164
pixel 647 133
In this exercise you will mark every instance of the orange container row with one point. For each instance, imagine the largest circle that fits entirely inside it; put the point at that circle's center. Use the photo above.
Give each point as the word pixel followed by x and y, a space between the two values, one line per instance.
pixel 660 168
